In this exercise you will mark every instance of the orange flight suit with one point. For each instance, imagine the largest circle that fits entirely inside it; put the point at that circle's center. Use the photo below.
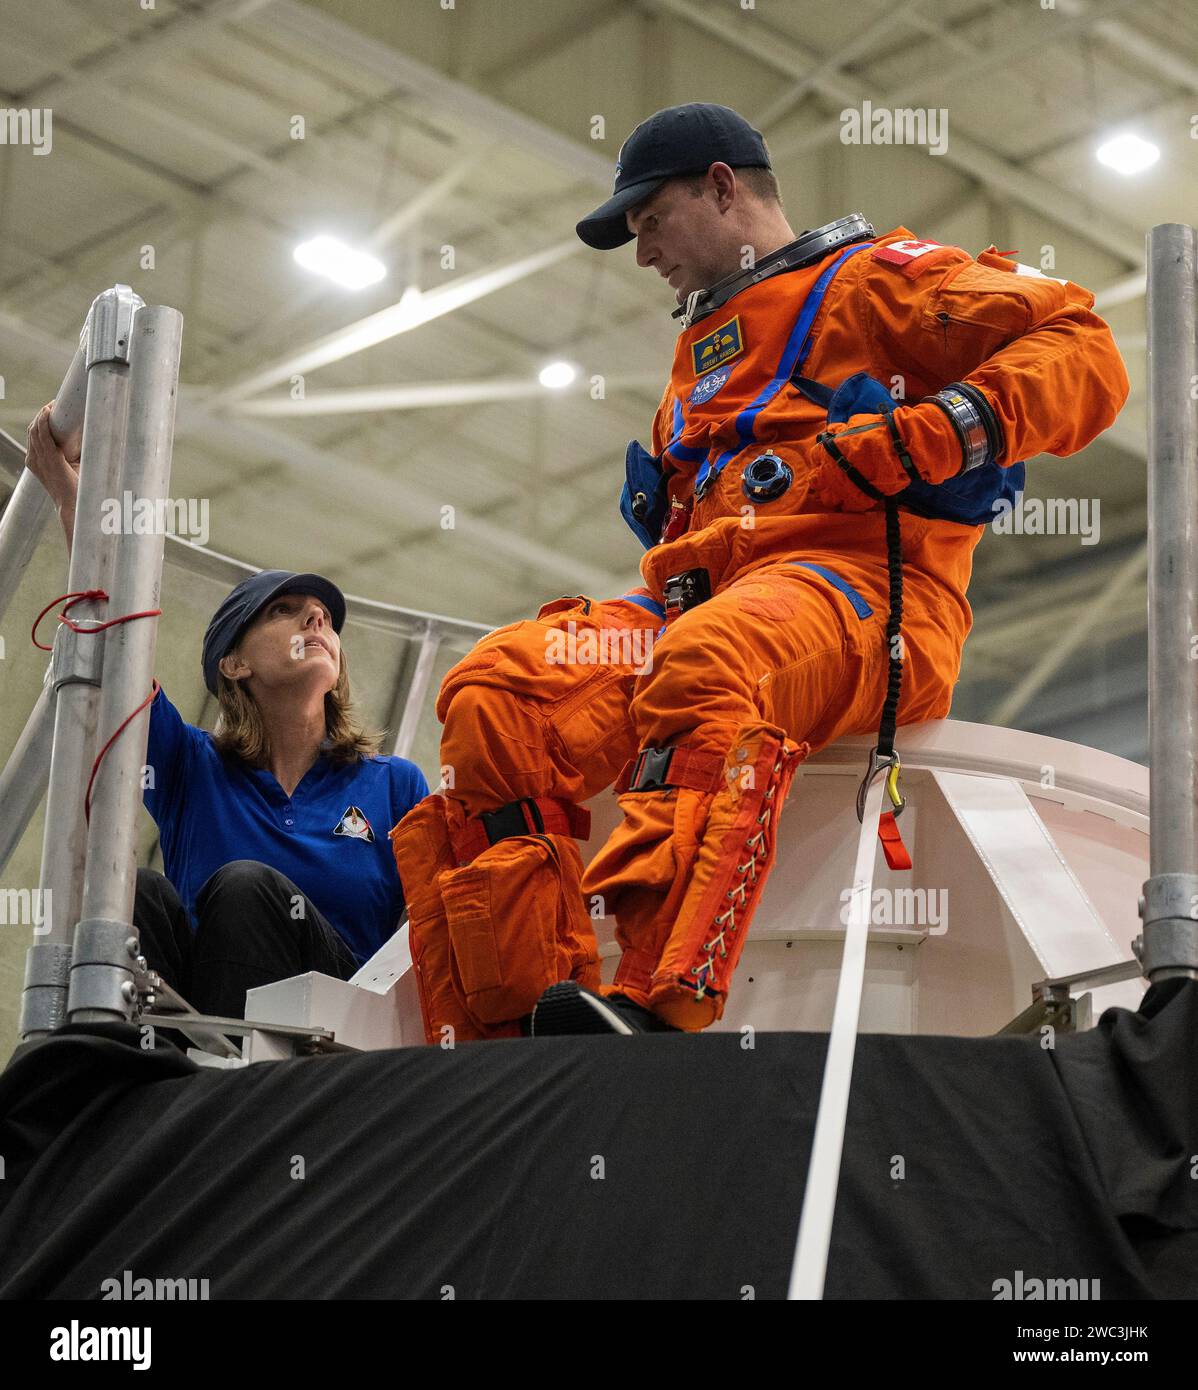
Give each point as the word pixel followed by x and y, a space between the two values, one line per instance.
pixel 787 655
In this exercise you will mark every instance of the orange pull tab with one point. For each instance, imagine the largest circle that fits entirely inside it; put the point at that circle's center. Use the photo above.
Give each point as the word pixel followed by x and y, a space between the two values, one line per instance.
pixel 996 259
pixel 892 842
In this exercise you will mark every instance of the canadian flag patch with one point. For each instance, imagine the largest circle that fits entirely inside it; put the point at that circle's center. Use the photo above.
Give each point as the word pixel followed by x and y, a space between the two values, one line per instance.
pixel 911 256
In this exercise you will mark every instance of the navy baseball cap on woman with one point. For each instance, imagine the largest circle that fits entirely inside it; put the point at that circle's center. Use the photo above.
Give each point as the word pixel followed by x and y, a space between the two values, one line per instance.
pixel 678 140
pixel 245 602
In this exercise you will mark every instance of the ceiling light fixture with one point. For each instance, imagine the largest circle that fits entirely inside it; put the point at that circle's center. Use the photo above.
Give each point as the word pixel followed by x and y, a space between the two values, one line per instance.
pixel 353 270
pixel 557 374
pixel 1127 154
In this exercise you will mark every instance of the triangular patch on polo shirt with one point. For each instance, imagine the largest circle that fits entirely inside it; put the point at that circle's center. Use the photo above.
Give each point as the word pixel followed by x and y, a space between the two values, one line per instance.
pixel 353 822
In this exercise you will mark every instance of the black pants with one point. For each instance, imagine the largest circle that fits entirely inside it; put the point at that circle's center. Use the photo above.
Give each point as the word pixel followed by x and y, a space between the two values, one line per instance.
pixel 255 927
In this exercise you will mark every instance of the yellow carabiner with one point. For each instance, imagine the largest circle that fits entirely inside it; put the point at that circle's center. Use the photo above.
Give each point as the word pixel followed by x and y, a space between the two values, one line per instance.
pixel 892 790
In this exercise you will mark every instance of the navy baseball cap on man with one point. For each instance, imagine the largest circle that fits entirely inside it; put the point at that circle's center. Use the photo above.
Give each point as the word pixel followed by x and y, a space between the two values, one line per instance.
pixel 678 140
pixel 245 602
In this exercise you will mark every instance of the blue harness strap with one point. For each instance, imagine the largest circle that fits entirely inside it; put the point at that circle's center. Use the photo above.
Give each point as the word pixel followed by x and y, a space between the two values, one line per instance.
pixel 794 354
pixel 648 604
pixel 643 500
pixel 970 500
pixel 860 606
pixel 682 453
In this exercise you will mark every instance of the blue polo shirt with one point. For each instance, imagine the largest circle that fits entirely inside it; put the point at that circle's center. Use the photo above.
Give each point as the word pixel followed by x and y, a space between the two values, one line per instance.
pixel 329 836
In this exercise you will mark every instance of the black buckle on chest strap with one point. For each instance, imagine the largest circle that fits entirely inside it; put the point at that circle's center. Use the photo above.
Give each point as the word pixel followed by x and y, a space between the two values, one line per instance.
pixel 685 591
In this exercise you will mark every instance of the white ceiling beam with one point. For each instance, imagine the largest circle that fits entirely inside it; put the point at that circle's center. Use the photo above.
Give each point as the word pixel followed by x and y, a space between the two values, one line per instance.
pixel 136 47
pixel 253 345
pixel 935 29
pixel 266 330
pixel 321 33
pixel 413 209
pixel 1067 639
pixel 431 394
pixel 1122 291
pixel 473 534
pixel 1156 58
pixel 1013 625
pixel 548 42
pixel 431 86
pixel 397 318
pixel 1031 38
pixel 971 157
pixel 299 458
pixel 860 43
pixel 187 197
pixel 495 121
pixel 239 154
pixel 141 178
pixel 154 111
pixel 1160 61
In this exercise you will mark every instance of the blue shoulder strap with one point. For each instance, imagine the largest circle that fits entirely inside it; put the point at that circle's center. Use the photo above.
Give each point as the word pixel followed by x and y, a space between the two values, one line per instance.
pixel 643 473
pixel 794 354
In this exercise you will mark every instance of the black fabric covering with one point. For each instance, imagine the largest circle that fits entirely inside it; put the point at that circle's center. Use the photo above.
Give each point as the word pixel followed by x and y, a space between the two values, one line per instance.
pixel 479 1168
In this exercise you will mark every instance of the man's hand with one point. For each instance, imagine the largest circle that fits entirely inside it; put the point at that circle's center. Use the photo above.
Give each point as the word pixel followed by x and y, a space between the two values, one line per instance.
pixel 51 467
pixel 867 443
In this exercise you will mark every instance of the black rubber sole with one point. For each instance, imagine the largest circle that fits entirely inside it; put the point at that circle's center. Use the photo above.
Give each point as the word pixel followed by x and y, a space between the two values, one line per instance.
pixel 567 1009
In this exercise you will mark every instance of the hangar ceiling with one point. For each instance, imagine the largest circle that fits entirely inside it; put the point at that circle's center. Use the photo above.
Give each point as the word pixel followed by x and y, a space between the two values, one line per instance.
pixel 460 142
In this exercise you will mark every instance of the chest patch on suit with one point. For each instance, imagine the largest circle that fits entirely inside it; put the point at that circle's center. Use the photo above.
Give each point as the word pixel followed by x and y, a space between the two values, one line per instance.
pixel 707 386
pixel 353 823
pixel 717 347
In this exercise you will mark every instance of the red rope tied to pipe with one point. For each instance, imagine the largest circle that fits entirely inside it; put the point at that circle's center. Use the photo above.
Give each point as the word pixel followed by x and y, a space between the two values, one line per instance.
pixel 87 796
pixel 79 597
pixel 85 631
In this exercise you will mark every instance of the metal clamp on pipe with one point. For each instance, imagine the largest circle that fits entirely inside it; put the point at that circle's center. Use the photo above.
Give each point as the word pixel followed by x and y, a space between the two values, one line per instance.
pixel 109 326
pixel 43 996
pixel 103 986
pixel 74 661
pixel 1169 945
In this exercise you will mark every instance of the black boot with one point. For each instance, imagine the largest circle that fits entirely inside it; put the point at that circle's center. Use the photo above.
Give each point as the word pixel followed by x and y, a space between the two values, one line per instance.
pixel 568 1008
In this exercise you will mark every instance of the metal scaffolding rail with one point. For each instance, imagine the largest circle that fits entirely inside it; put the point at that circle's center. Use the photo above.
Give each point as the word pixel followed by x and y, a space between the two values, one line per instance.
pixel 1169 906
pixel 114 412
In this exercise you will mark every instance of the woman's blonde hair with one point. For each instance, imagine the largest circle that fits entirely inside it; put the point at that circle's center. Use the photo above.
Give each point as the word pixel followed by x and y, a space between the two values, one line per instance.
pixel 241 730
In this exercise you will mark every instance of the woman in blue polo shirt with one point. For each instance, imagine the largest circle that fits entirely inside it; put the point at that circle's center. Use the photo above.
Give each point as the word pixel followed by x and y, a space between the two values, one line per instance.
pixel 274 828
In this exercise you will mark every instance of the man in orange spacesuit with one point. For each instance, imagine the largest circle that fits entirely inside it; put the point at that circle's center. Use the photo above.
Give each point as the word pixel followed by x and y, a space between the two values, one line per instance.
pixel 845 413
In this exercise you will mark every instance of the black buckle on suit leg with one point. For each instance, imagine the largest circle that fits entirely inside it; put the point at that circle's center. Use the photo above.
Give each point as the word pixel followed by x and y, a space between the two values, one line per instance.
pixel 513 820
pixel 651 769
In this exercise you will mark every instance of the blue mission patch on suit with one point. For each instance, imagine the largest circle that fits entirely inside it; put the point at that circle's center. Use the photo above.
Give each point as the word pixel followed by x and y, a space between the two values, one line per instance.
pixel 707 386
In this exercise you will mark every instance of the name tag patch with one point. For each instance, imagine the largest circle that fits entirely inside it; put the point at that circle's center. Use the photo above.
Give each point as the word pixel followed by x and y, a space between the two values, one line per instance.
pixel 719 346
